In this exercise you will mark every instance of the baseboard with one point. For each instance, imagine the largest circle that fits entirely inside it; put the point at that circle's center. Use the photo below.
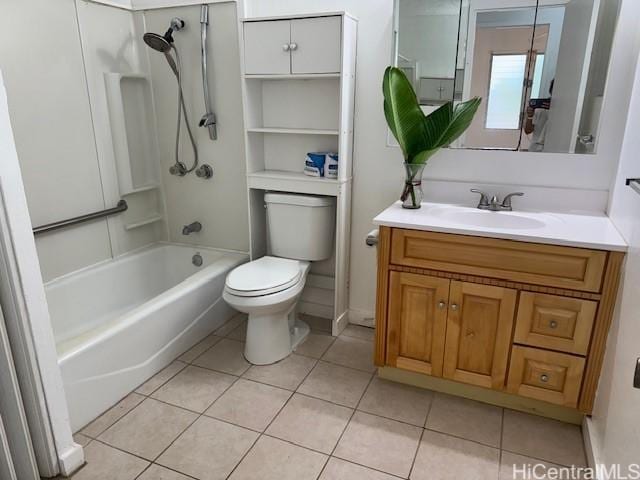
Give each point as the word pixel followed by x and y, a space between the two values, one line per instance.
pixel 591 444
pixel 70 460
pixel 362 317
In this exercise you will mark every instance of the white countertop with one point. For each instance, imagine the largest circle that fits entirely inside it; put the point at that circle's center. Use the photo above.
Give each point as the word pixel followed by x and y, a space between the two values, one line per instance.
pixel 574 230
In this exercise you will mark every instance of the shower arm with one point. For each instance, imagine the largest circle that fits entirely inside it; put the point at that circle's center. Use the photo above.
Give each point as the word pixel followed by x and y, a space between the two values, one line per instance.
pixel 209 118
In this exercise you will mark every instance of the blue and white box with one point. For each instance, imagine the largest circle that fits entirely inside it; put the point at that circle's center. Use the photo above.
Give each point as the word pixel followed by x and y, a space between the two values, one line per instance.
pixel 331 165
pixel 314 164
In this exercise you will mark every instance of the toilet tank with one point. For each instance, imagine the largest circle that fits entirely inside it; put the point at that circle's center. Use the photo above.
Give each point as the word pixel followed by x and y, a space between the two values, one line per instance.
pixel 300 227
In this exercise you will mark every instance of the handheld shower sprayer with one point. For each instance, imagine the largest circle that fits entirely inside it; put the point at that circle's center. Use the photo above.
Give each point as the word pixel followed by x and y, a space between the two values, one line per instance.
pixel 165 45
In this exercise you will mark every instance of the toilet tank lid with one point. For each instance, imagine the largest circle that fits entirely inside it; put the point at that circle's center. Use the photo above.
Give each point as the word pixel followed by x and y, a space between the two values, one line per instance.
pixel 297 199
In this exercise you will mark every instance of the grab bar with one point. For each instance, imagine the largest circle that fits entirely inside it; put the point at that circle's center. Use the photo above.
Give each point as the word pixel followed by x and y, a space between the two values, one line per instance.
pixel 634 183
pixel 49 227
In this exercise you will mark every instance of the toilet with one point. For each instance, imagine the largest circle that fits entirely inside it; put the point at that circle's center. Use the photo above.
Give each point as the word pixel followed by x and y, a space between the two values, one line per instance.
pixel 300 230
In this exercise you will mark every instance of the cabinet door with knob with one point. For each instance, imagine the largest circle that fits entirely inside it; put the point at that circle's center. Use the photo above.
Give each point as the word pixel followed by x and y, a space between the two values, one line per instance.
pixel 266 47
pixel 298 46
pixel 478 339
pixel 417 320
pixel 315 45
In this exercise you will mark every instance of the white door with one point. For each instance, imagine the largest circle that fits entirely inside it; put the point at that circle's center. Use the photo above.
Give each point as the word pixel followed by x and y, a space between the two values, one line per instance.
pixel 315 45
pixel 266 47
pixel 17 460
pixel 574 56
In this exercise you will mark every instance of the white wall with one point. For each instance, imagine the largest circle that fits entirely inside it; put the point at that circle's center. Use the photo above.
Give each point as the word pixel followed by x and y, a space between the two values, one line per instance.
pixel 220 203
pixel 111 43
pixel 41 57
pixel 55 81
pixel 615 426
pixel 573 180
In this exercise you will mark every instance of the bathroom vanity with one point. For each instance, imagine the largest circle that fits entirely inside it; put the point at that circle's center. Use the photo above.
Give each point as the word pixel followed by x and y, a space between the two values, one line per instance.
pixel 515 302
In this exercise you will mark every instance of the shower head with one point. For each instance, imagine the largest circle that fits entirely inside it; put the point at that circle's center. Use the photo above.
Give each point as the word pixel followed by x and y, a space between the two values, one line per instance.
pixel 162 43
pixel 157 42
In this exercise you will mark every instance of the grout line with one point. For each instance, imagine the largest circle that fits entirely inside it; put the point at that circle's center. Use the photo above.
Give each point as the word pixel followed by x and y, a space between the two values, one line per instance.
pixel 501 440
pixel 194 421
pixel 168 468
pixel 532 457
pixel 261 434
pixel 415 454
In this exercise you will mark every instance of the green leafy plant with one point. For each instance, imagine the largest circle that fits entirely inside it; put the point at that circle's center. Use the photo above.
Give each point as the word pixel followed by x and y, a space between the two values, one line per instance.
pixel 421 136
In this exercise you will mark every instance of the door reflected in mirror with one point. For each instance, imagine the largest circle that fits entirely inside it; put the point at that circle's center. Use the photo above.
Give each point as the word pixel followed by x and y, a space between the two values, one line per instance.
pixel 539 66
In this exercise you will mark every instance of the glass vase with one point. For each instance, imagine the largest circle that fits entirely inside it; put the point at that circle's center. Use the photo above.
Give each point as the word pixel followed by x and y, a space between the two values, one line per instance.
pixel 412 193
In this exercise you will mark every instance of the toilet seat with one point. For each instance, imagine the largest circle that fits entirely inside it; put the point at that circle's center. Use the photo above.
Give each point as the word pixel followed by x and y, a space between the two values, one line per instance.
pixel 264 276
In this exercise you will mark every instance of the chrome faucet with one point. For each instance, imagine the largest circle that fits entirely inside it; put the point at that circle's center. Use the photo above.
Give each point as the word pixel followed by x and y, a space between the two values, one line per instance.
pixel 191 228
pixel 494 204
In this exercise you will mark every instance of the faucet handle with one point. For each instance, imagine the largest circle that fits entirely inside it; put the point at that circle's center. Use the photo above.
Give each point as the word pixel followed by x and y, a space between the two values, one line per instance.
pixel 506 202
pixel 484 198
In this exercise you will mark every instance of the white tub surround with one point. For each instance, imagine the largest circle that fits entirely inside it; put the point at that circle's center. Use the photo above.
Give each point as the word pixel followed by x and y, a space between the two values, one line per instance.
pixel 121 321
pixel 571 230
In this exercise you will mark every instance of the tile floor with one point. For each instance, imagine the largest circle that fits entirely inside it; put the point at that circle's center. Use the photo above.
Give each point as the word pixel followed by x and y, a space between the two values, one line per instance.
pixel 319 414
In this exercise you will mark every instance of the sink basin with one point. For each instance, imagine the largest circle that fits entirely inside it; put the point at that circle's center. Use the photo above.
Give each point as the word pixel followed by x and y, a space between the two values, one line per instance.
pixel 488 219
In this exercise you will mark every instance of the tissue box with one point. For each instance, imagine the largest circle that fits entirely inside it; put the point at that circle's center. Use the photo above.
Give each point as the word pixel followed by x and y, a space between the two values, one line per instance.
pixel 314 164
pixel 331 165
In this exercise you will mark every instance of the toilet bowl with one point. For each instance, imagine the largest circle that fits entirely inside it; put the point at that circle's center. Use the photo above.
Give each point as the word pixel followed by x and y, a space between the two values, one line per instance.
pixel 268 290
pixel 300 230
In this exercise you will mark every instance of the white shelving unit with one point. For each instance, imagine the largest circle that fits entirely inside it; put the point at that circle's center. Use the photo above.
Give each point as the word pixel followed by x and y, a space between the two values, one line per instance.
pixel 299 86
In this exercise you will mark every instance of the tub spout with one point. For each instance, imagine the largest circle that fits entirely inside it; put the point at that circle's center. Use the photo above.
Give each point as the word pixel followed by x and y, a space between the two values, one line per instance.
pixel 191 228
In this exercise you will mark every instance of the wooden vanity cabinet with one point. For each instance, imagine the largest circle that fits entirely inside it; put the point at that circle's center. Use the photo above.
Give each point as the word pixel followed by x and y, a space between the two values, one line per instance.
pixel 523 318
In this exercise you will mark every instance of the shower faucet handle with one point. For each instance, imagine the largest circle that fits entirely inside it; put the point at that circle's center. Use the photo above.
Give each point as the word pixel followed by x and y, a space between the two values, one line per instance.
pixel 179 169
pixel 207 119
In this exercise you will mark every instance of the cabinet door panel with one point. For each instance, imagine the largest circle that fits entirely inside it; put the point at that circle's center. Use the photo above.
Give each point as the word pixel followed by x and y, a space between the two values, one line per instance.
pixel 479 326
pixel 317 45
pixel 263 47
pixel 417 322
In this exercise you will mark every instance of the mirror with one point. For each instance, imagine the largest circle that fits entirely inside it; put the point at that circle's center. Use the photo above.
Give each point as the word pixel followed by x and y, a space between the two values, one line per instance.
pixel 540 67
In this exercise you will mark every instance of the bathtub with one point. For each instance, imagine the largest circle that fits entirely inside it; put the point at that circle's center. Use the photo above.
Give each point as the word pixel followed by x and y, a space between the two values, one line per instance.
pixel 119 322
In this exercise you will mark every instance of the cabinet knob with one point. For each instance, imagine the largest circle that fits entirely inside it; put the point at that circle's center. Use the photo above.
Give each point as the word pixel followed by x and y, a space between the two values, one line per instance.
pixel 293 46
pixel 286 47
pixel 553 324
pixel 471 334
pixel 454 306
pixel 442 304
pixel 544 378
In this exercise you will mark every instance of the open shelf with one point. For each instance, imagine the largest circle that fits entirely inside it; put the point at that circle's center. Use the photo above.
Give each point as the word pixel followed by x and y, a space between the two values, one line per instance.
pixel 294 131
pixel 296 182
pixel 147 221
pixel 306 76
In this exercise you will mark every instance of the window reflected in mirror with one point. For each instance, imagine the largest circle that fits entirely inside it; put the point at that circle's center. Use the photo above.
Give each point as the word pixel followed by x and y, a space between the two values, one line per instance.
pixel 539 66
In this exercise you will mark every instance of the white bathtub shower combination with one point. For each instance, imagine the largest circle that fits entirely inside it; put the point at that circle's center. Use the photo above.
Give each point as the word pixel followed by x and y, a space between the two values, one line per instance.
pixel 119 322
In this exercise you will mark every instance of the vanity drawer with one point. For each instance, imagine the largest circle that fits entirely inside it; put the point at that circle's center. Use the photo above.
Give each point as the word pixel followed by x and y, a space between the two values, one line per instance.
pixel 548 376
pixel 557 323
pixel 550 265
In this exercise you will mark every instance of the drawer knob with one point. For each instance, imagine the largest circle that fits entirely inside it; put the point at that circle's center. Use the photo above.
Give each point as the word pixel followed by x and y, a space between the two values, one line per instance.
pixel 471 334
pixel 544 378
pixel 454 306
pixel 553 324
pixel 442 304
pixel 286 47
